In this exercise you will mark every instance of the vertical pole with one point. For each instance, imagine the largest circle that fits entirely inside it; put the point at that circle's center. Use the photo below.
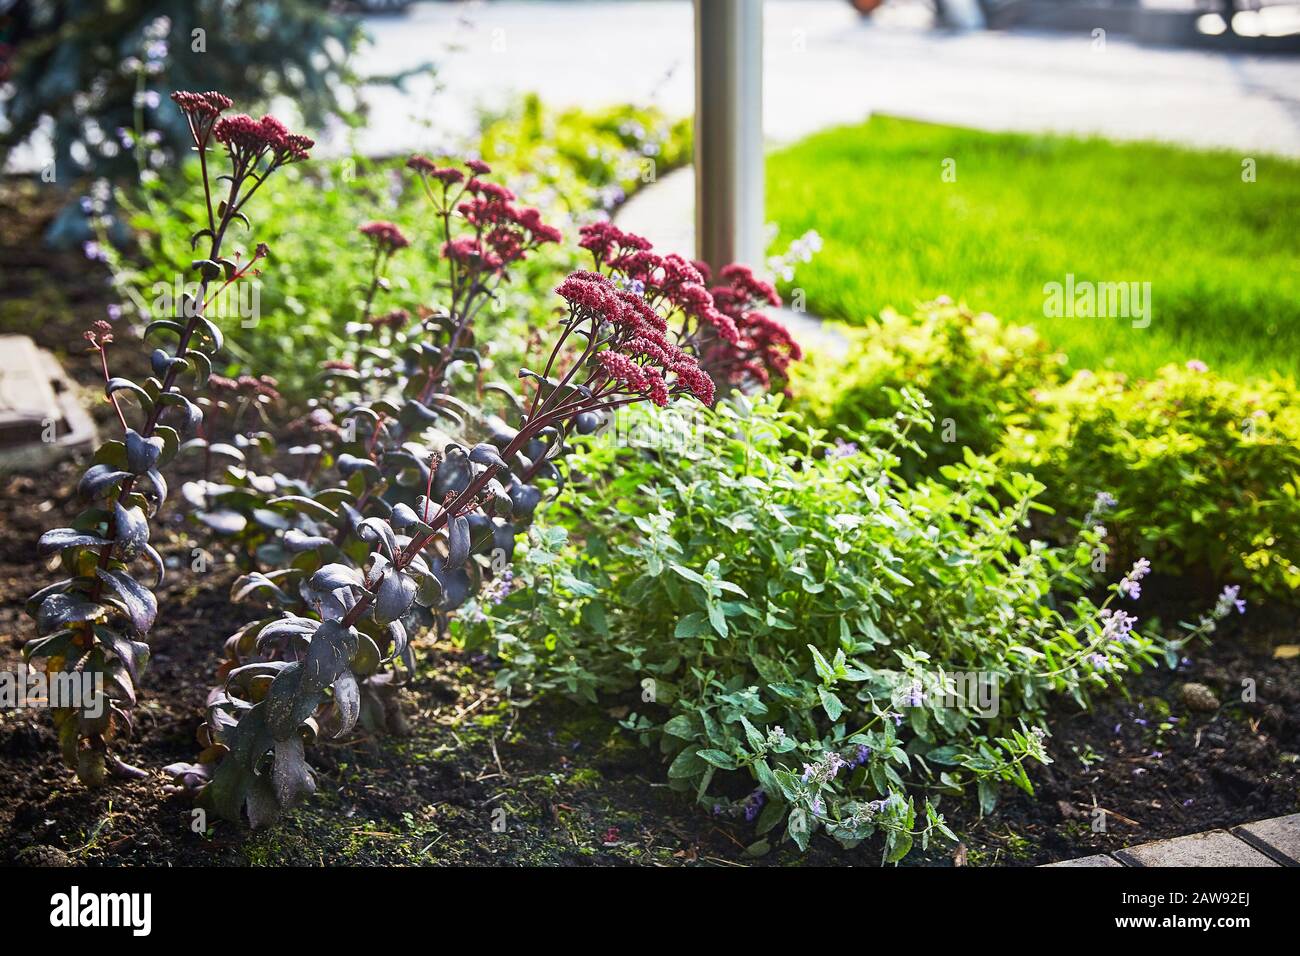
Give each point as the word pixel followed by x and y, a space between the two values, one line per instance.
pixel 729 132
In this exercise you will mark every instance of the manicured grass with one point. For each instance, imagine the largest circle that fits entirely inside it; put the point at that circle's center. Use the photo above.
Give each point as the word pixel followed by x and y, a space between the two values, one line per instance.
pixel 1222 255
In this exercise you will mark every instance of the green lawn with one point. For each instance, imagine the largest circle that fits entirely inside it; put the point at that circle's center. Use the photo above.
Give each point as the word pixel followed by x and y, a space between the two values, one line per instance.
pixel 1222 256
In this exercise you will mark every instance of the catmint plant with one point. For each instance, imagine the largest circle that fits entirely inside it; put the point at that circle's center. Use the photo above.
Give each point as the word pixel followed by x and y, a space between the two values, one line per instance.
pixel 96 621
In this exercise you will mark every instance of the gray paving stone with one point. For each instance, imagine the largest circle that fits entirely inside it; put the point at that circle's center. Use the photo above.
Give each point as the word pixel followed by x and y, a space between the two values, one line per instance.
pixel 1100 859
pixel 1279 838
pixel 1215 848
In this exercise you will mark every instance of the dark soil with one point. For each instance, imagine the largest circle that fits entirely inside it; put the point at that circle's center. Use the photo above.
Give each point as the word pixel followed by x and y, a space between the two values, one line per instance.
pixel 482 780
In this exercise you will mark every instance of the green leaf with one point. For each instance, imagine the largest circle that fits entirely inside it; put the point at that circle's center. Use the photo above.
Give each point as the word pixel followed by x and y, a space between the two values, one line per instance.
pixel 695 624
pixel 824 669
pixel 831 704
pixel 719 758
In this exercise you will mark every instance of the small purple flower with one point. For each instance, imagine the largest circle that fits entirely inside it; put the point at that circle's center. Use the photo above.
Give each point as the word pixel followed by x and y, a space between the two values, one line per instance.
pixel 1116 625
pixel 1103 502
pixel 1196 365
pixel 114 312
pixel 1129 586
pixel 94 251
pixel 843 449
pixel 817 805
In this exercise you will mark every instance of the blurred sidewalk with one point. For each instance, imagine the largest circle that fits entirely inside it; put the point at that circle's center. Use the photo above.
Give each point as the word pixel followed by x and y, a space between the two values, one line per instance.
pixel 824 66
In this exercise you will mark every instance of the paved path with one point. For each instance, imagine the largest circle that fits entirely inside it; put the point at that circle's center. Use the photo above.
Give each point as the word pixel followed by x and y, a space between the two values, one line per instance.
pixel 824 66
pixel 1274 842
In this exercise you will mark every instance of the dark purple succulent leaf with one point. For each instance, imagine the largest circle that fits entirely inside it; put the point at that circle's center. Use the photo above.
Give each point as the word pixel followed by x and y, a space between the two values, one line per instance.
pixel 226 451
pixel 292 778
pixel 158 485
pixel 454 473
pixel 348 465
pixel 212 331
pixel 485 454
pixel 393 596
pixel 403 516
pixel 331 648
pixel 59 538
pixel 142 453
pixel 504 540
pixel 525 498
pixel 458 541
pixel 288 703
pixel 34 600
pixel 115 385
pixel 379 532
pixel 60 609
pixel 283 633
pixel 138 601
pixel 397 634
pixel 333 576
pixel 456 588
pixel 58 643
pixel 256 581
pixel 298 541
pixel 130 530
pixel 415 414
pixel 98 479
pixel 193 414
pixel 347 698
pixel 133 654
pixel 263 808
pixel 160 569
pixel 271 520
pixel 429 590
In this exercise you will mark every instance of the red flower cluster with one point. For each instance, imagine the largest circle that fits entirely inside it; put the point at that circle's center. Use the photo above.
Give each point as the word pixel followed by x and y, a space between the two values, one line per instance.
pixel 720 325
pixel 763 349
pixel 638 357
pixel 503 232
pixel 201 109
pixel 385 235
pixel 447 175
pixel 248 140
pixel 669 280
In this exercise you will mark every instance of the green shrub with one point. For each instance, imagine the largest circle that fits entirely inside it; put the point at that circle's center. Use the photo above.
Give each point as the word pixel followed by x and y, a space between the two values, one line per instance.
pixel 589 158
pixel 796 624
pixel 977 373
pixel 1206 471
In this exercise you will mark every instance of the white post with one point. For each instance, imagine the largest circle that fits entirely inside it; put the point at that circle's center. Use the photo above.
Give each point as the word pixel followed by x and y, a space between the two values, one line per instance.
pixel 729 132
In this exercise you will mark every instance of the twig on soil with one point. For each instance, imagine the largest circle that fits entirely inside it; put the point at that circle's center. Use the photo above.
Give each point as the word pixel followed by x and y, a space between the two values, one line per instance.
pixel 496 756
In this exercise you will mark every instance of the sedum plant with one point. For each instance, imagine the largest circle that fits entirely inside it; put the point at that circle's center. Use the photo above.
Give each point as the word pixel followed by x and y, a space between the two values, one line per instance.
pixel 96 620
pixel 419 494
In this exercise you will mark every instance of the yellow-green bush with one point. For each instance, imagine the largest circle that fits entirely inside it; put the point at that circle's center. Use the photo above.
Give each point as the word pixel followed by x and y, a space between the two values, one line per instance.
pixel 1206 470
pixel 976 372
